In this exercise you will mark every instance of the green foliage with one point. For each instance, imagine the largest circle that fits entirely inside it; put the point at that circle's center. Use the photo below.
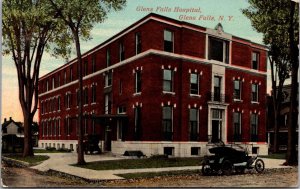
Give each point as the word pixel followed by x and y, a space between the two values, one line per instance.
pixel 142 163
pixel 272 19
pixel 81 16
pixel 29 159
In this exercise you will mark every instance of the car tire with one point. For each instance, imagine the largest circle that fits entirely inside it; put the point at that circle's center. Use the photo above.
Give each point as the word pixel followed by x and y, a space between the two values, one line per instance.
pixel 227 167
pixel 206 169
pixel 259 165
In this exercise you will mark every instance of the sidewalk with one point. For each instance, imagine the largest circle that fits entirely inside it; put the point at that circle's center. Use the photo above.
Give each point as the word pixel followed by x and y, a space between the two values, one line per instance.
pixel 61 162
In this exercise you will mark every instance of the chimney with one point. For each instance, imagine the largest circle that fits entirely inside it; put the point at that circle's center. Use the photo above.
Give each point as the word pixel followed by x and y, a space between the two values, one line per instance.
pixel 9 118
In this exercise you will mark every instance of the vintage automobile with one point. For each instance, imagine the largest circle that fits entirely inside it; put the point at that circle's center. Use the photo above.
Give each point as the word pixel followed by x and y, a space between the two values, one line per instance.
pixel 91 144
pixel 227 159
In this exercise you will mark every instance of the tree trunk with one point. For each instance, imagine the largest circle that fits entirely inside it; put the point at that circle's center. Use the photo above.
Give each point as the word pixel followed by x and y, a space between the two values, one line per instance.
pixel 291 158
pixel 28 151
pixel 80 150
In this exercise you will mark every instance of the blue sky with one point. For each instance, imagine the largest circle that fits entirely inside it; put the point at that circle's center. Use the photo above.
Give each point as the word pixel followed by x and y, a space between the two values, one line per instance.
pixel 117 21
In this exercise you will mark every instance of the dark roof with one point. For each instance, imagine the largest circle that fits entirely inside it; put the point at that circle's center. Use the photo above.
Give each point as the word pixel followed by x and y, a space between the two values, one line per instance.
pixel 7 122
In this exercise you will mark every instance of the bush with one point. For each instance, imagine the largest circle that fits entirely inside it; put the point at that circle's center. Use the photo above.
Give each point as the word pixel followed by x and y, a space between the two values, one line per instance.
pixel 50 148
pixel 64 150
pixel 163 156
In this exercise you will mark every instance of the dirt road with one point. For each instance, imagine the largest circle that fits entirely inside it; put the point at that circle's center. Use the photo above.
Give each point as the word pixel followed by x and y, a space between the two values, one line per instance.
pixel 24 177
pixel 270 178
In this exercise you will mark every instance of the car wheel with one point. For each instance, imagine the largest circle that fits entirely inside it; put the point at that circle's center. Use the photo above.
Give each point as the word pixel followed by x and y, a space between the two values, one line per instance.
pixel 227 167
pixel 259 165
pixel 206 169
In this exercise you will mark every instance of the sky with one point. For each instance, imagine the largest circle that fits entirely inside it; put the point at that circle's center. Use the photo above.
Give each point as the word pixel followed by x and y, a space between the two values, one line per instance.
pixel 234 22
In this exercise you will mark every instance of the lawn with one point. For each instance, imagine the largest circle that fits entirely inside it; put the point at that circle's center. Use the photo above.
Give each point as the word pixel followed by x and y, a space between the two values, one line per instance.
pixel 142 163
pixel 275 156
pixel 158 174
pixel 30 160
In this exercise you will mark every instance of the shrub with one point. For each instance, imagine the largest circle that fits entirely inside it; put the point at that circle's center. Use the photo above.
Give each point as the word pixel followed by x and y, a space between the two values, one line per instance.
pixel 162 156
pixel 64 150
pixel 50 148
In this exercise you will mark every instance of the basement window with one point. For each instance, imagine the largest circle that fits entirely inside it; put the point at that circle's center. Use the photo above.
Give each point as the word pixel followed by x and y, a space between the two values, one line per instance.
pixel 169 151
pixel 195 151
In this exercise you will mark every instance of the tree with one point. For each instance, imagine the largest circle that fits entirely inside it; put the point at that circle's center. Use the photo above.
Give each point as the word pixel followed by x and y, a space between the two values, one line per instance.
pixel 28 28
pixel 293 32
pixel 80 16
pixel 274 19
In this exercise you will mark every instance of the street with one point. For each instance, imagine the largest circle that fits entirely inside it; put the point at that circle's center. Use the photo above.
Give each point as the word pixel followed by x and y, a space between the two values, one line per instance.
pixel 24 177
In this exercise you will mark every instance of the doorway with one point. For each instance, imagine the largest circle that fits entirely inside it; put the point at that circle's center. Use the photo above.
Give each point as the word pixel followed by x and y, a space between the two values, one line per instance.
pixel 216 123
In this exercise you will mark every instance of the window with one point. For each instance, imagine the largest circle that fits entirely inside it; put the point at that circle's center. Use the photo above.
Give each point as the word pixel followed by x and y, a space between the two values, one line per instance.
pixel 107 103
pixel 254 125
pixel 168 41
pixel 65 77
pixel 254 93
pixel 108 79
pixel 138 43
pixel 85 68
pixel 93 63
pixel 107 58
pixel 168 80
pixel 78 97
pixel 71 147
pixel 54 128
pixel 137 122
pixel 93 124
pixel 68 126
pixel 255 60
pixel 50 129
pixel 47 130
pixel 94 93
pixel 138 81
pixel 167 123
pixel 195 151
pixel 217 88
pixel 122 52
pixel 169 151
pixel 194 87
pixel 68 100
pixel 121 110
pixel 237 126
pixel 47 85
pixel 218 50
pixel 53 83
pixel 58 81
pixel 58 103
pixel 85 95
pixel 58 127
pixel 193 130
pixel 237 89
pixel 71 74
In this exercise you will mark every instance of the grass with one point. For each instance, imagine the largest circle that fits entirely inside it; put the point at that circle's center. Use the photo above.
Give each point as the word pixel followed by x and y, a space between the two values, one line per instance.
pixel 158 174
pixel 30 160
pixel 275 156
pixel 48 151
pixel 142 163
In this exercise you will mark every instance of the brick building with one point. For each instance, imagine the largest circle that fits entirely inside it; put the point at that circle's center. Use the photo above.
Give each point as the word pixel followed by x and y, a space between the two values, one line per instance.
pixel 161 86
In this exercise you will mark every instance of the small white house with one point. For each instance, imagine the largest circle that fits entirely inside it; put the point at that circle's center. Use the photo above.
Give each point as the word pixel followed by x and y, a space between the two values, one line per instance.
pixel 10 127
